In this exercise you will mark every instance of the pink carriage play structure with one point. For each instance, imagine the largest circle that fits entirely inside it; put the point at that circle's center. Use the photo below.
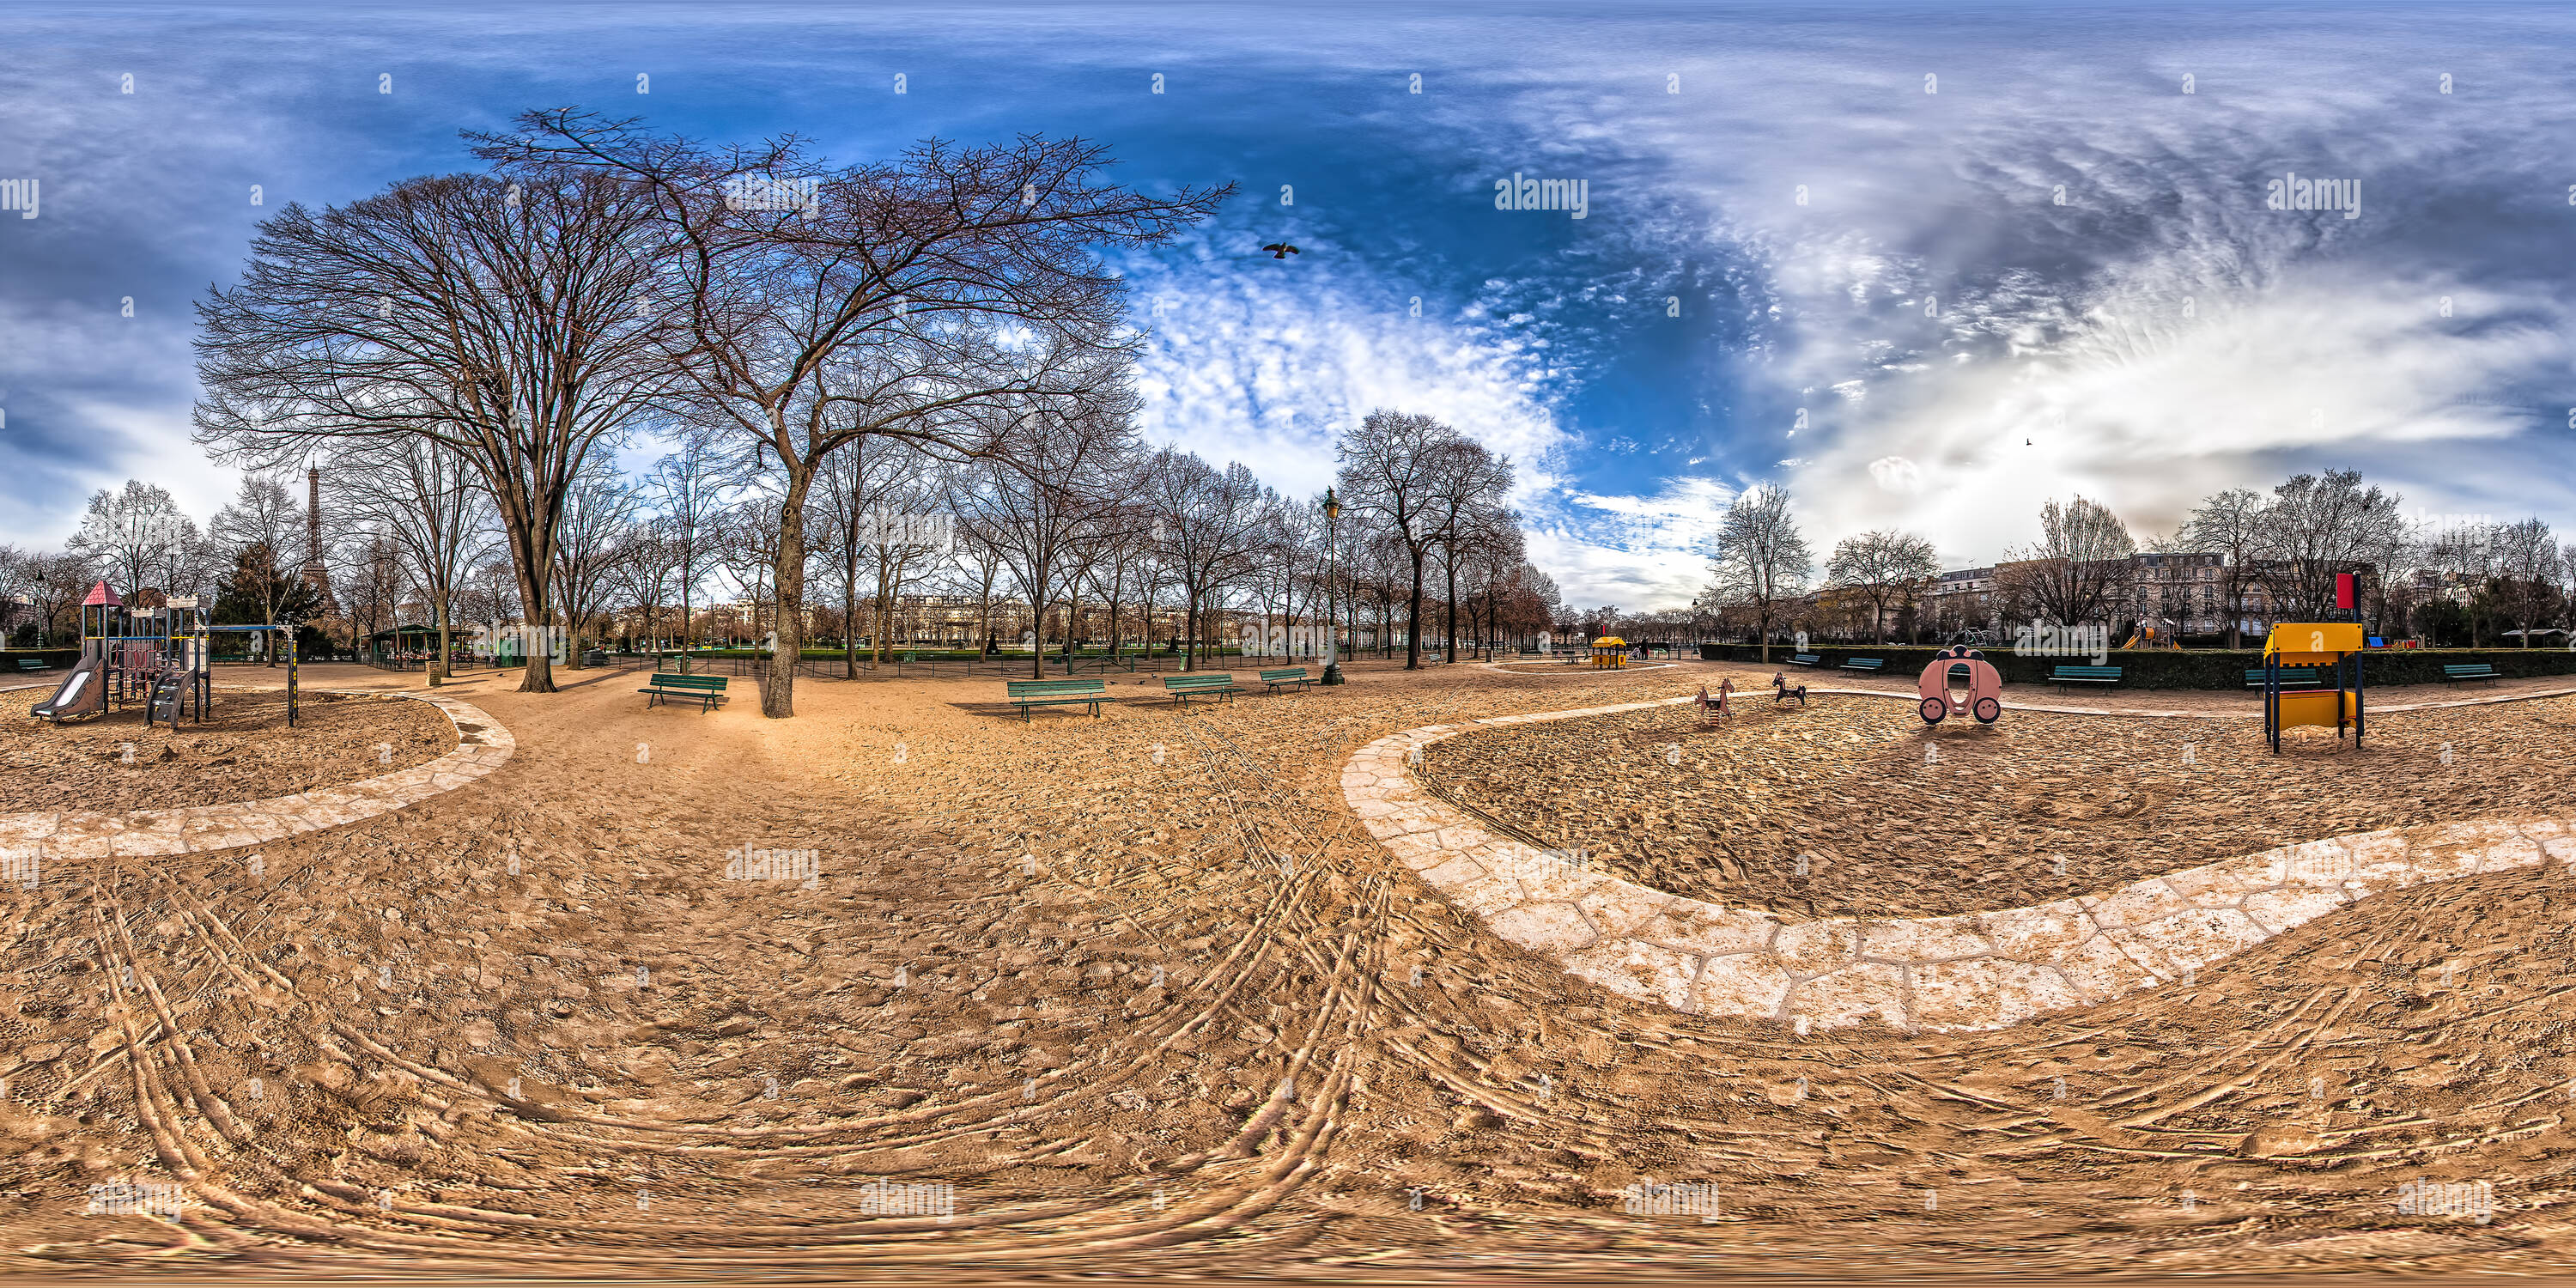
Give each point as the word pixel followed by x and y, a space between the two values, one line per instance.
pixel 1961 682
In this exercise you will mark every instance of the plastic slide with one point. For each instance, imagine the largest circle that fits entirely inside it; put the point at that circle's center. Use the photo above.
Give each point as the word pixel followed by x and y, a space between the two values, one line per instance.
pixel 81 693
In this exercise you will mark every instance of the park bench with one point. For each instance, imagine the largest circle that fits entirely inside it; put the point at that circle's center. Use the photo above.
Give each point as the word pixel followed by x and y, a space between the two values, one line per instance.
pixel 1030 694
pixel 2065 675
pixel 2301 677
pixel 1871 664
pixel 1288 678
pixel 31 664
pixel 1185 687
pixel 1807 659
pixel 708 689
pixel 2470 671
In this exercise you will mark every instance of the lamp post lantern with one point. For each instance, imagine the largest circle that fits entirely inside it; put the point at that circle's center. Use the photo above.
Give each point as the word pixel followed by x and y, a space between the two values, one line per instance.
pixel 1332 573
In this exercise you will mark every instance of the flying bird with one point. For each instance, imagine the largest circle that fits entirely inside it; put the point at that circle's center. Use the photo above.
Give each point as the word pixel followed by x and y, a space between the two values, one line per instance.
pixel 1280 250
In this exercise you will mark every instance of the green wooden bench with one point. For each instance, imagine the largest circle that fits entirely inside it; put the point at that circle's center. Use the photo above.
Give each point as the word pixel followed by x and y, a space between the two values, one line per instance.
pixel 1028 695
pixel 2292 677
pixel 708 689
pixel 32 664
pixel 1208 685
pixel 1288 678
pixel 2469 671
pixel 1807 659
pixel 1862 664
pixel 2065 675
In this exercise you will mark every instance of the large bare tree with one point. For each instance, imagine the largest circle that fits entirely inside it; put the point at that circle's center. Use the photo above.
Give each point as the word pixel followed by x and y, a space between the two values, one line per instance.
pixel 2080 564
pixel 1881 568
pixel 1762 562
pixel 827 304
pixel 429 503
pixel 512 321
pixel 1393 468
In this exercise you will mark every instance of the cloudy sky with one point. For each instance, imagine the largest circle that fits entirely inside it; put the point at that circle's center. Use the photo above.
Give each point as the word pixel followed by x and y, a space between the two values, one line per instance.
pixel 1924 265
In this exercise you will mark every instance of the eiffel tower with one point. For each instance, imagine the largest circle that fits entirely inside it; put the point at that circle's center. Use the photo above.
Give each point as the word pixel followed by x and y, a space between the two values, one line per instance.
pixel 315 575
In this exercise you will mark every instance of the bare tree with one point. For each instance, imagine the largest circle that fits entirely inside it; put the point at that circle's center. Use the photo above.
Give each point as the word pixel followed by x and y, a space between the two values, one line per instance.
pixel 510 321
pixel 1466 499
pixel 871 300
pixel 2079 566
pixel 1881 568
pixel 1761 562
pixel 2319 526
pixel 426 499
pixel 595 537
pixel 2230 525
pixel 1066 467
pixel 1393 468
pixel 134 532
pixel 2527 564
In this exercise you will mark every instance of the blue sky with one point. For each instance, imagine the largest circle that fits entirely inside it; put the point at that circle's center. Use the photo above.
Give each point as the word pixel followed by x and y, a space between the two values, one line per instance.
pixel 1995 253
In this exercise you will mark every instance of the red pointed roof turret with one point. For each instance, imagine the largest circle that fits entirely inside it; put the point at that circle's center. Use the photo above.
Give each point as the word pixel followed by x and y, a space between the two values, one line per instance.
pixel 100 594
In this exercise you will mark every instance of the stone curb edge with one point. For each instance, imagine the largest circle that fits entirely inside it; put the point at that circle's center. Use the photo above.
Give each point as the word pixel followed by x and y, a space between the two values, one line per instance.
pixel 1972 972
pixel 482 746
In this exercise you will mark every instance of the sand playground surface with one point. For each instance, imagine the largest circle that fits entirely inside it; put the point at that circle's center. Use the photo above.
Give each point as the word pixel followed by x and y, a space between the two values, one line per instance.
pixel 904 987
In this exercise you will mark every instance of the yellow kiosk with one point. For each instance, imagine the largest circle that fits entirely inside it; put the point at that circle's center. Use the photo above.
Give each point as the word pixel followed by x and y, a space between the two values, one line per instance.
pixel 2337 701
pixel 1610 653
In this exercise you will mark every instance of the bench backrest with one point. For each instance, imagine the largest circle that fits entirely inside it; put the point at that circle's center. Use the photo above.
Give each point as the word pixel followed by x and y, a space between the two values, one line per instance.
pixel 1808 657
pixel 1216 680
pixel 672 680
pixel 1292 673
pixel 1864 661
pixel 2108 672
pixel 2475 668
pixel 1052 688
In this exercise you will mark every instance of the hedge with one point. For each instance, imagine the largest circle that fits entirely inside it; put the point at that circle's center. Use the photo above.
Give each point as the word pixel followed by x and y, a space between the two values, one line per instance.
pixel 2168 668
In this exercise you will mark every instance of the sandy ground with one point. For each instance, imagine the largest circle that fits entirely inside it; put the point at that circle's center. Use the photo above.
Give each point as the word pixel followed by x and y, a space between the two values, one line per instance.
pixel 1145 997
pixel 1893 818
pixel 243 751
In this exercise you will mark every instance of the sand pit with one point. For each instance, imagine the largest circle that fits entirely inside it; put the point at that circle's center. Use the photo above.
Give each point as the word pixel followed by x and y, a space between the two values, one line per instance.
pixel 1147 999
pixel 244 751
pixel 2040 807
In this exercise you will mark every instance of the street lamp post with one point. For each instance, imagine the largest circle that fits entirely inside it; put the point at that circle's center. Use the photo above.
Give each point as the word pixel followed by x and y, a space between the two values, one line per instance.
pixel 1332 573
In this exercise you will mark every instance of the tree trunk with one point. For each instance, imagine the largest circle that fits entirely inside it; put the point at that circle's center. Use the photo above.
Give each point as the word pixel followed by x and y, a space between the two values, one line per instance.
pixel 1449 573
pixel 1413 619
pixel 787 577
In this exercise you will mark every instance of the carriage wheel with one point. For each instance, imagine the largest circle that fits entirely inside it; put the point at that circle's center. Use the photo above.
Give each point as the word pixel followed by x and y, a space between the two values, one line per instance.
pixel 1933 709
pixel 1988 710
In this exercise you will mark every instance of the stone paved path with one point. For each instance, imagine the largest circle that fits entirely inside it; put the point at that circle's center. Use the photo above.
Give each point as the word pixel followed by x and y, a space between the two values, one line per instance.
pixel 1980 971
pixel 482 746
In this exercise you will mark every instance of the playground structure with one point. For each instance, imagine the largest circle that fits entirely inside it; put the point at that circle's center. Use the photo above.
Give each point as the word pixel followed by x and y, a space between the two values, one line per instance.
pixel 2161 633
pixel 159 658
pixel 1610 653
pixel 2337 701
pixel 1961 682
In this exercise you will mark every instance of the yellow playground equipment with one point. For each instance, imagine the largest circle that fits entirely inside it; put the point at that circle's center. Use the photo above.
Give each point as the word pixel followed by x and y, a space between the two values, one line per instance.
pixel 2155 635
pixel 2337 699
pixel 1610 652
